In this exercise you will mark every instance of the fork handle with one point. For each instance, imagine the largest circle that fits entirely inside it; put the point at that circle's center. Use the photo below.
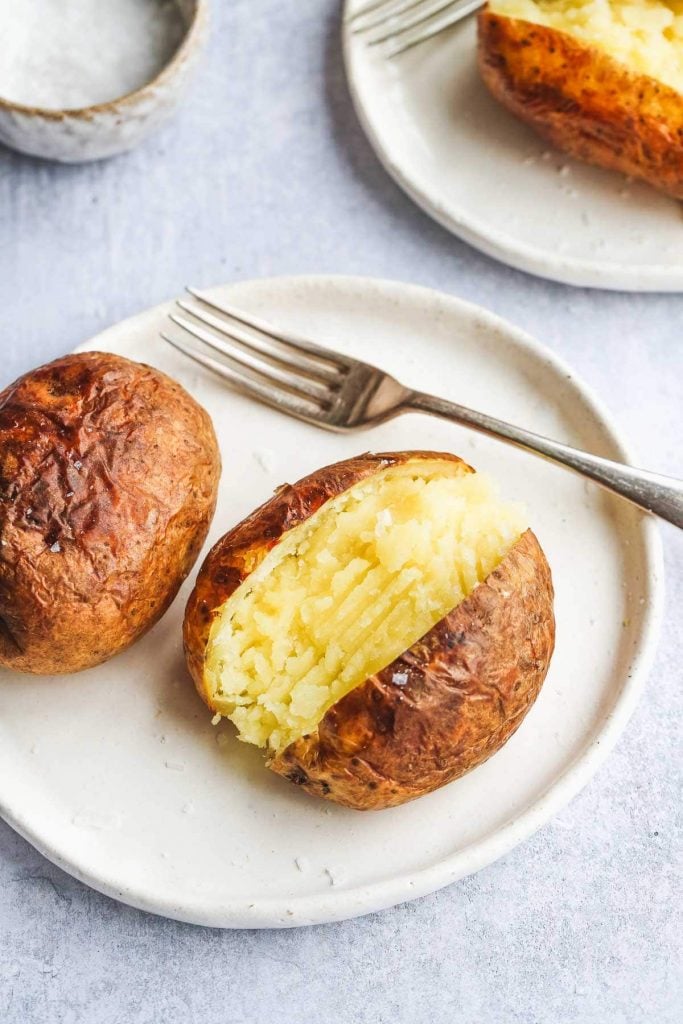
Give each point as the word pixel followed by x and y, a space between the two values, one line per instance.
pixel 662 495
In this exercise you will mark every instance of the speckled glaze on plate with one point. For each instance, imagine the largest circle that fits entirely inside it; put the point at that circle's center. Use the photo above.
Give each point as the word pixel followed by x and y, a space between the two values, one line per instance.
pixel 106 129
pixel 117 774
pixel 492 181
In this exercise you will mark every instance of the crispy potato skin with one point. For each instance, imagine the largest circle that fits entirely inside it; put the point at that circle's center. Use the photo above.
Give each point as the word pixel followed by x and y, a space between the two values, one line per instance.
pixel 108 482
pixel 470 680
pixel 583 101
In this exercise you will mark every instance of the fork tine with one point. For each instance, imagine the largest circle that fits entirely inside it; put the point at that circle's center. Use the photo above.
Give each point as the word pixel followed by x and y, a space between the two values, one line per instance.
pixel 421 12
pixel 301 408
pixel 450 16
pixel 369 8
pixel 287 340
pixel 253 367
pixel 246 341
pixel 392 9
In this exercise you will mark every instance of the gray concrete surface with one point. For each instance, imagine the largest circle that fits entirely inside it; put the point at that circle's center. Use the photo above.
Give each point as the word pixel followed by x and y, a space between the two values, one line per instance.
pixel 266 171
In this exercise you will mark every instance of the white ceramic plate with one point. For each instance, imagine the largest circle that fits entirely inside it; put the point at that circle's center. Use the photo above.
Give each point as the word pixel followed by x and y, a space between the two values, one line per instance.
pixel 488 178
pixel 117 774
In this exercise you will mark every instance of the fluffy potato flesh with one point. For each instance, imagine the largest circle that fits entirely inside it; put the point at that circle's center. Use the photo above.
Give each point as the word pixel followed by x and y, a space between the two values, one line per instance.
pixel 349 590
pixel 646 35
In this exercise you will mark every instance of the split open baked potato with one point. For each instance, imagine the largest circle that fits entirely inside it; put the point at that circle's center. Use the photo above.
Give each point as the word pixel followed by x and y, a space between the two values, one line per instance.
pixel 380 627
pixel 108 481
pixel 600 79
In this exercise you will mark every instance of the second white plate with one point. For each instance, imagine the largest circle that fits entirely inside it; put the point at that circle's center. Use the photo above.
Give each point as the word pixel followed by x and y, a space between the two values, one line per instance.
pixel 488 178
pixel 117 774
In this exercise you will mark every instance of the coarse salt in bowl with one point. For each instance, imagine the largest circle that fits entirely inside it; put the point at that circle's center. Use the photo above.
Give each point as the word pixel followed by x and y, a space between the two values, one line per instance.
pixel 88 80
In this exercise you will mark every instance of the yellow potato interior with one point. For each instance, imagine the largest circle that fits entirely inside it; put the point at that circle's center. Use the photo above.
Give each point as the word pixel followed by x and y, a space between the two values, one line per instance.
pixel 345 593
pixel 647 35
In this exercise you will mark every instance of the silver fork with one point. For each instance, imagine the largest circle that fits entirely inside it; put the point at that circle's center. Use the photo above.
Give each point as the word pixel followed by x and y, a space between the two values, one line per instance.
pixel 405 23
pixel 339 393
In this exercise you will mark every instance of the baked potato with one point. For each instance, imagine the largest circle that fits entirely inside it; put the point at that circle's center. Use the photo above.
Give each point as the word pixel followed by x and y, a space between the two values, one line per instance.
pixel 381 627
pixel 600 79
pixel 108 480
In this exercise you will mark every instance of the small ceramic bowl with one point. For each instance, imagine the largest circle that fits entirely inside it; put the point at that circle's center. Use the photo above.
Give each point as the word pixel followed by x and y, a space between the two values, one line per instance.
pixel 103 130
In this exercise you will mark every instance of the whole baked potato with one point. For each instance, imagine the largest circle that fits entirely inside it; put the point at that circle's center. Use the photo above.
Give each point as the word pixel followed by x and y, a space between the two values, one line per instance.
pixel 600 79
pixel 108 479
pixel 381 627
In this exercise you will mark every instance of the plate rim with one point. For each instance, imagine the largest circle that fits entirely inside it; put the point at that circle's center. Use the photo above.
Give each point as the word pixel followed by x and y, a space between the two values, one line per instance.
pixel 365 899
pixel 548 265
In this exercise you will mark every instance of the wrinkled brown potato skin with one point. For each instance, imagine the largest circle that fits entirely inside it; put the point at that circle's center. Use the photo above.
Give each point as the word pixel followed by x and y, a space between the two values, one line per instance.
pixel 583 101
pixel 470 680
pixel 108 480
